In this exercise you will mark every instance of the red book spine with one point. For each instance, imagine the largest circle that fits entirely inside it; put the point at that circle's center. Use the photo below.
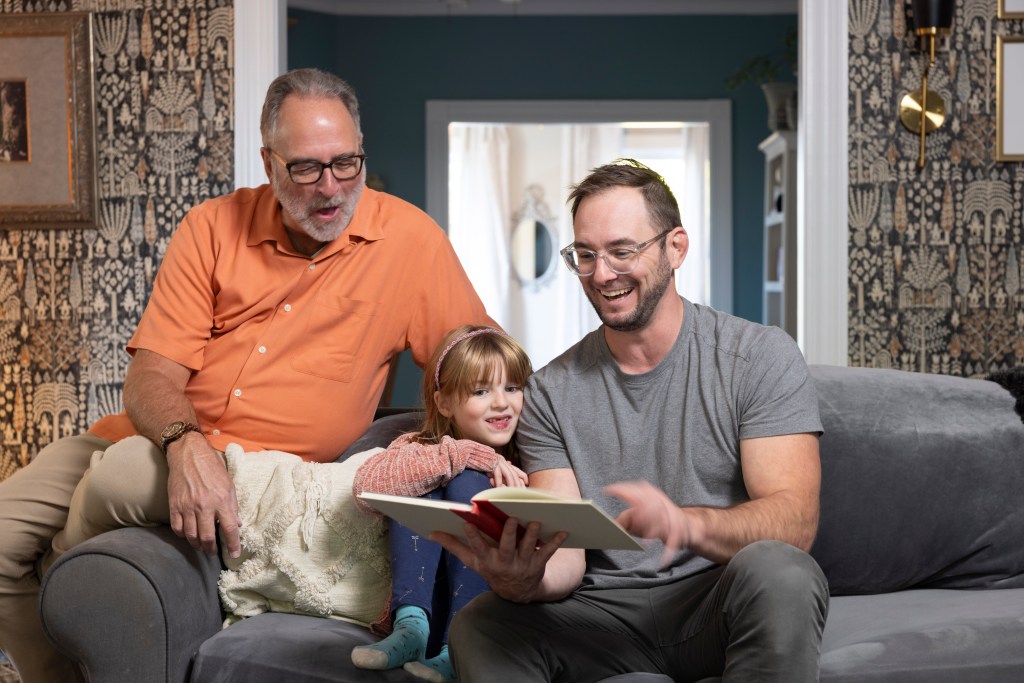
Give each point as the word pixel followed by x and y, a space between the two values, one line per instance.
pixel 485 517
pixel 493 514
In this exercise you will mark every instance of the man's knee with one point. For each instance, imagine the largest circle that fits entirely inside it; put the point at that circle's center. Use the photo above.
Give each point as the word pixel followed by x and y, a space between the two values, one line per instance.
pixel 782 575
pixel 126 485
pixel 474 620
pixel 129 469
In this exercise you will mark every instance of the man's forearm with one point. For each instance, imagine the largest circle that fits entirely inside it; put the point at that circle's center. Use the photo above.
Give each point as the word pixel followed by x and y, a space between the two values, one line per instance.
pixel 562 576
pixel 718 534
pixel 154 394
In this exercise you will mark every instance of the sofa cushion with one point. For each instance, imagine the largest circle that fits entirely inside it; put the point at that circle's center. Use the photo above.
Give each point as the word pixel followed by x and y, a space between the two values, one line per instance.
pixel 926 636
pixel 287 647
pixel 921 481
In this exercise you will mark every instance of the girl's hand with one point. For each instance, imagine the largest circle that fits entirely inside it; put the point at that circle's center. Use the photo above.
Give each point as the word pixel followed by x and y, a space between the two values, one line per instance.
pixel 507 474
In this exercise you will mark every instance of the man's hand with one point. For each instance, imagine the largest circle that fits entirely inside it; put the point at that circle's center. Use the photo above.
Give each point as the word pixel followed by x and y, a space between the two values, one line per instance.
pixel 651 514
pixel 514 571
pixel 201 495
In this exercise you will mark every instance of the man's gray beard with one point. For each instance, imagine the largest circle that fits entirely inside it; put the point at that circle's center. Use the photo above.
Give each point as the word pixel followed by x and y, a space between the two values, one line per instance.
pixel 301 211
pixel 645 308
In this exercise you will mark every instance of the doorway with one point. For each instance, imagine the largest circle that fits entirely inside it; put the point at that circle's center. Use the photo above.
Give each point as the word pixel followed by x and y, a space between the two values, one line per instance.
pixel 514 161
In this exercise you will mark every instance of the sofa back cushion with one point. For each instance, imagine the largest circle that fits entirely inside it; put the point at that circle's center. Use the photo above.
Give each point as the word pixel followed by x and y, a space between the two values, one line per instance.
pixel 922 478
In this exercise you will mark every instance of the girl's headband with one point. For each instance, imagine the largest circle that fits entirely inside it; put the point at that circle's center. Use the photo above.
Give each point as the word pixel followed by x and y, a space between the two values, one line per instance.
pixel 461 337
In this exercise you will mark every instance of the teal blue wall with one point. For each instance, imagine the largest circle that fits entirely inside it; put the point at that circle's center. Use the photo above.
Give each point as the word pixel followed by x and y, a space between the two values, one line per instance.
pixel 397 64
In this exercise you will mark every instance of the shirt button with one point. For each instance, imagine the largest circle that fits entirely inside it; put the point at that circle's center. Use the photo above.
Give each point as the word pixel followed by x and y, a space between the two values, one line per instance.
pixel 216 432
pixel 287 308
pixel 237 392
pixel 312 266
pixel 263 349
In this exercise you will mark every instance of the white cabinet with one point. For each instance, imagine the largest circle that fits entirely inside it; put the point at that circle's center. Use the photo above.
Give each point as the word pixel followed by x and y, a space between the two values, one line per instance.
pixel 779 209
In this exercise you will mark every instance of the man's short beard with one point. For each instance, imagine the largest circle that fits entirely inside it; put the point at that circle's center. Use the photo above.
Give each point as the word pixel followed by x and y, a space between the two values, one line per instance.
pixel 301 212
pixel 645 307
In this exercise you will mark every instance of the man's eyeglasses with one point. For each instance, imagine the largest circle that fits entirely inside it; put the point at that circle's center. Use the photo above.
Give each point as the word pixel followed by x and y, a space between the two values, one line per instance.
pixel 307 172
pixel 621 260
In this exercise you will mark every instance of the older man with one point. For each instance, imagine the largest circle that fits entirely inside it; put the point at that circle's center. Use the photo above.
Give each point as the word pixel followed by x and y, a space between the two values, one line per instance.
pixel 273 320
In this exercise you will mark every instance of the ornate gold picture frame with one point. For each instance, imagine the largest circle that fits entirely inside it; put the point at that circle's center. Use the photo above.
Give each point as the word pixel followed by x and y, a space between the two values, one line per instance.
pixel 47 135
pixel 1011 9
pixel 1009 98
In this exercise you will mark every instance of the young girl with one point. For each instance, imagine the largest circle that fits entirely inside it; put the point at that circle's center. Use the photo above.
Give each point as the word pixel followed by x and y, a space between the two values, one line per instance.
pixel 473 398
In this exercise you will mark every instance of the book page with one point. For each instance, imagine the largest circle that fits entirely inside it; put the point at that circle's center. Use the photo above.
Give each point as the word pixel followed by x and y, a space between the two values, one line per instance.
pixel 513 493
pixel 422 515
pixel 588 525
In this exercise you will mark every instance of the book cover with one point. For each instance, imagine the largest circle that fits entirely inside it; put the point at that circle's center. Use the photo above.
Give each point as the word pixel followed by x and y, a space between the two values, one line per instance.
pixel 588 525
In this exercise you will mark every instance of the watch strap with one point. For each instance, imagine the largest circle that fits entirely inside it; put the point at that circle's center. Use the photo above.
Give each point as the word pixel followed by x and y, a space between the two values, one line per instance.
pixel 175 431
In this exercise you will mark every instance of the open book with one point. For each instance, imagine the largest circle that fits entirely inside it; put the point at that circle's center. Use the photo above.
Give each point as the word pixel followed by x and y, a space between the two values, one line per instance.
pixel 588 525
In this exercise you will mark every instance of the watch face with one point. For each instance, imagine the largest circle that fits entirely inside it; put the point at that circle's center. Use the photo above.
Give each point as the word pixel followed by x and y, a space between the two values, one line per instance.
pixel 172 430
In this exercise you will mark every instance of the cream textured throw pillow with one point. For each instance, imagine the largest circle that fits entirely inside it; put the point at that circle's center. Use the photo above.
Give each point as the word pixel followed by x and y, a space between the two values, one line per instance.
pixel 306 548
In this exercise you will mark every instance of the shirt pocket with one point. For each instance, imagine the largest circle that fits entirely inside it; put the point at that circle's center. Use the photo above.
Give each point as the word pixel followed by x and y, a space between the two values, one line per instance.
pixel 335 330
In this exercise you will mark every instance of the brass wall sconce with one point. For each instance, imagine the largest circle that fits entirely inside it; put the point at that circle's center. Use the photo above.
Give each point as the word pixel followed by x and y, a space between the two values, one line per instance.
pixel 923 111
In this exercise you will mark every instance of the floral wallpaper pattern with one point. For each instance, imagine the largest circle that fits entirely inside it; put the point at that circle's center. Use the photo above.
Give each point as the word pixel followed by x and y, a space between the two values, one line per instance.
pixel 935 253
pixel 70 299
pixel 936 280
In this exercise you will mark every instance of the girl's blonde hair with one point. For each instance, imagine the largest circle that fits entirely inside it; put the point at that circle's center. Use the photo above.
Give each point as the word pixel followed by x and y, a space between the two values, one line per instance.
pixel 467 356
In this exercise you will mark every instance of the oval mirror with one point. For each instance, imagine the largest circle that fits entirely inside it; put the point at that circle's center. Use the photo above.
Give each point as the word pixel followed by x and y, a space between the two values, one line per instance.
pixel 533 238
pixel 532 249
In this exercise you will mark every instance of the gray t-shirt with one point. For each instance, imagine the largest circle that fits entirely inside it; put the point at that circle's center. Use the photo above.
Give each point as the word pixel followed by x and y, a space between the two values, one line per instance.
pixel 677 426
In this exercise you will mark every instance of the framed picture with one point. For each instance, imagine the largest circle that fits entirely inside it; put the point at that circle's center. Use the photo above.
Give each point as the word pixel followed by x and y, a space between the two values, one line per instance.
pixel 1011 9
pixel 47 136
pixel 1009 98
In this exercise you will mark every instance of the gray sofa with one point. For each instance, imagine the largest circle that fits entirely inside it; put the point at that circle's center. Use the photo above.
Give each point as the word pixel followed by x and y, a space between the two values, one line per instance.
pixel 921 538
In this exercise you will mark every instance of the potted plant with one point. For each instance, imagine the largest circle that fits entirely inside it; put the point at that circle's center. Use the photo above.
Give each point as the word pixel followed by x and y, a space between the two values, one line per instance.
pixel 764 70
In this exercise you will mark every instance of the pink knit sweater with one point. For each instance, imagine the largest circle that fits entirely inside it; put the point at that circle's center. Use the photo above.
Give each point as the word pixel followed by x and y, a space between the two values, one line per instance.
pixel 408 468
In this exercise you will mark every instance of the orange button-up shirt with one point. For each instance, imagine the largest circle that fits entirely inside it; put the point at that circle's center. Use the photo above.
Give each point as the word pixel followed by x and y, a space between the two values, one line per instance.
pixel 289 352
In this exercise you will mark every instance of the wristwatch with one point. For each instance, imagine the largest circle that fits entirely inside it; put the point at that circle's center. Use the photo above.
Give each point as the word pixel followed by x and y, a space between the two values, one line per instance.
pixel 175 431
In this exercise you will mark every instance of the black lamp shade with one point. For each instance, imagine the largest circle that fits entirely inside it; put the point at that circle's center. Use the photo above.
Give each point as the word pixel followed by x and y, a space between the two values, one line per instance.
pixel 933 14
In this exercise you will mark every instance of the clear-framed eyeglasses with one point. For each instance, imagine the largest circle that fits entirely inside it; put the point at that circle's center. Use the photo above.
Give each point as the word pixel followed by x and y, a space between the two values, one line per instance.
pixel 621 260
pixel 309 171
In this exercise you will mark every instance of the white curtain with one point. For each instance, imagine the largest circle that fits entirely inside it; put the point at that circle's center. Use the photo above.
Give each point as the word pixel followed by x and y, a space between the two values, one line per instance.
pixel 692 278
pixel 478 212
pixel 570 317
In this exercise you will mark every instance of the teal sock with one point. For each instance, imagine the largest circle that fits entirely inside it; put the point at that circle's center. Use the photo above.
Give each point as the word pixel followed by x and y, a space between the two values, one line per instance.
pixel 436 669
pixel 407 642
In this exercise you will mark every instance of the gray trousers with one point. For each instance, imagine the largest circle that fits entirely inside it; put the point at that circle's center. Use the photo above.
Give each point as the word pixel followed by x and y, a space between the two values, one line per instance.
pixel 758 618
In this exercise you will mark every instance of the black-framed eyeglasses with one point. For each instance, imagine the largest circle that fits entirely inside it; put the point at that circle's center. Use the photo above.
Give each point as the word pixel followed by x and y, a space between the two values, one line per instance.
pixel 309 171
pixel 621 260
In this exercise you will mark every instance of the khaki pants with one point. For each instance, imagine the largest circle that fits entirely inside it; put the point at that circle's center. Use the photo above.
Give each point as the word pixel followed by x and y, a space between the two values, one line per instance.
pixel 76 488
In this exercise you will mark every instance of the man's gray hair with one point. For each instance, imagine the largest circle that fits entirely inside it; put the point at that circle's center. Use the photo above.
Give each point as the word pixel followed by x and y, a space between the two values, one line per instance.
pixel 305 83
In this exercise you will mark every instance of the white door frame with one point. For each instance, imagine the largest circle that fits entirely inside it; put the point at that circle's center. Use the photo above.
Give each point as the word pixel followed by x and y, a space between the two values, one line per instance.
pixel 716 113
pixel 822 180
pixel 261 55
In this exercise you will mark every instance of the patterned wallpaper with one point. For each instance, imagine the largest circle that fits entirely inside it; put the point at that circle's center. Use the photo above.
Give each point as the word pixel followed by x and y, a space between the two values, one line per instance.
pixel 936 257
pixel 70 299
pixel 935 254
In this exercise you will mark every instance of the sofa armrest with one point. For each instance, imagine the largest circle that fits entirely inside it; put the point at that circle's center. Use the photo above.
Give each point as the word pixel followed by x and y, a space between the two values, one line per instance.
pixel 132 604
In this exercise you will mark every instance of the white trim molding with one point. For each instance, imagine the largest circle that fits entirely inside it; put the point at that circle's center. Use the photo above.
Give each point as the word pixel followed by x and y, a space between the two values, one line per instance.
pixel 261 55
pixel 822 183
pixel 515 8
pixel 716 113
